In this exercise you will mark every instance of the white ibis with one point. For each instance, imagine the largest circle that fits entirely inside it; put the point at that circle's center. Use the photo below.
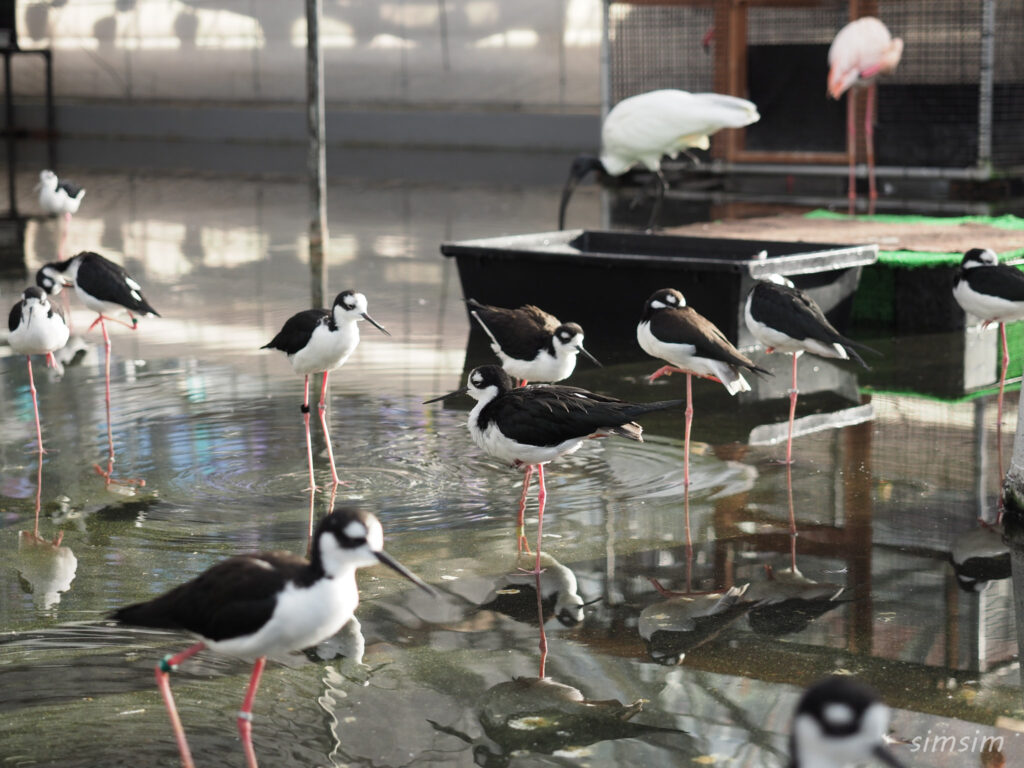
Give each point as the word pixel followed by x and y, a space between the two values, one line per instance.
pixel 861 51
pixel 641 129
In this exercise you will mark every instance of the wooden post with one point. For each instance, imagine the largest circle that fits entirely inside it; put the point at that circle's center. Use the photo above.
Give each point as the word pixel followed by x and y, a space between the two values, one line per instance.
pixel 317 157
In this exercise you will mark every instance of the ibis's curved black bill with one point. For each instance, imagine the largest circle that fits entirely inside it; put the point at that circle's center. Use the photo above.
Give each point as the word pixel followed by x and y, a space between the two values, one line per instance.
pixel 390 562
pixel 580 167
pixel 459 391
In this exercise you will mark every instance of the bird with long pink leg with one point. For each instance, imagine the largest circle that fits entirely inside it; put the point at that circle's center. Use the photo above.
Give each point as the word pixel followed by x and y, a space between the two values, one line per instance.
pixel 36 328
pixel 860 52
pixel 266 604
pixel 785 319
pixel 527 427
pixel 319 341
pixel 59 197
pixel 108 290
pixel 691 344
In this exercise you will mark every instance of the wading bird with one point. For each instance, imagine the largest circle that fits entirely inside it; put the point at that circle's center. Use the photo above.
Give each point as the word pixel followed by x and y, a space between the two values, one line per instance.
pixel 531 343
pixel 861 51
pixel 269 603
pixel 680 335
pixel 319 341
pixel 529 426
pixel 641 129
pixel 785 319
pixel 59 197
pixel 36 328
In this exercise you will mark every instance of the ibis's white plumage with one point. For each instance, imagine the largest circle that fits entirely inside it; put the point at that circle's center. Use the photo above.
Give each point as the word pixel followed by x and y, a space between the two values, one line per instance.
pixel 642 128
pixel 862 49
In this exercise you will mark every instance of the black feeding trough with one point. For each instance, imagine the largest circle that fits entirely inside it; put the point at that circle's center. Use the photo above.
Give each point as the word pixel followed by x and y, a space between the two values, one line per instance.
pixel 601 279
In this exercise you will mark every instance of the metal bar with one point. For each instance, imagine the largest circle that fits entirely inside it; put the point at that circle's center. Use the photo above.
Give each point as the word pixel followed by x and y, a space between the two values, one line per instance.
pixel 970 173
pixel 9 131
pixel 51 130
pixel 985 83
pixel 317 154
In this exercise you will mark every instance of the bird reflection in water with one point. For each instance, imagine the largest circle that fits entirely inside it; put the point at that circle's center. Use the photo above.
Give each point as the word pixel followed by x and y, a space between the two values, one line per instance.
pixel 46 568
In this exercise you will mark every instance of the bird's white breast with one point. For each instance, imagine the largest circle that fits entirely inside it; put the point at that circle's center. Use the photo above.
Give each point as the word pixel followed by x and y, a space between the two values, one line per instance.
pixel 326 349
pixel 989 308
pixel 38 334
pixel 303 617
pixel 543 367
pixel 495 444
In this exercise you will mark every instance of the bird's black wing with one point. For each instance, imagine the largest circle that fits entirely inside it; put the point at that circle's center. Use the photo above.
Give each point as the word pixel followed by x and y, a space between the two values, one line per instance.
pixel 295 333
pixel 1003 281
pixel 14 318
pixel 684 325
pixel 70 187
pixel 519 332
pixel 548 416
pixel 108 281
pixel 233 598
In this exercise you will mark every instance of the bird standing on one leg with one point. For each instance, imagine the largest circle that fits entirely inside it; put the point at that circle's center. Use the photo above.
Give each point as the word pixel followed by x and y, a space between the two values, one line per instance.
pixel 254 606
pixel 994 293
pixel 785 319
pixel 108 290
pixel 674 332
pixel 529 426
pixel 861 51
pixel 318 341
pixel 36 328
pixel 59 198
pixel 641 129
pixel 531 343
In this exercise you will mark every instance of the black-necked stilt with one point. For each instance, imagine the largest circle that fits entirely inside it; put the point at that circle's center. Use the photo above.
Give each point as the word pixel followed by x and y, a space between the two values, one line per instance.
pixel 530 426
pixel 269 603
pixel 318 341
pixel 860 51
pixel 108 290
pixel 980 556
pixel 839 722
pixel 515 594
pixel 787 601
pixel 994 293
pixel 531 343
pixel 675 626
pixel 36 328
pixel 641 129
pixel 59 197
pixel 785 319
pixel 674 332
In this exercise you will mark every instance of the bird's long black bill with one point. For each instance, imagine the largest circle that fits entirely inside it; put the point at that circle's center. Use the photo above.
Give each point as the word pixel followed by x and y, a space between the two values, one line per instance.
pixel 390 562
pixel 567 190
pixel 376 325
pixel 590 357
pixel 460 391
pixel 887 757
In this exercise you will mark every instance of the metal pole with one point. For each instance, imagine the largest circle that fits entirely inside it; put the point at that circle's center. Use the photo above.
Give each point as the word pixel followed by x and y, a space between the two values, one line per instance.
pixel 985 83
pixel 606 96
pixel 12 192
pixel 317 157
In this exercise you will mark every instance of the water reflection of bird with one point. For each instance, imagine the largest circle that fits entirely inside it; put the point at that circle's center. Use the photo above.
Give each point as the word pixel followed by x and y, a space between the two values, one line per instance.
pixel 641 129
pixel 59 197
pixel 319 341
pixel 532 344
pixel 108 290
pixel 673 627
pixel 979 557
pixel 680 335
pixel 787 601
pixel 36 328
pixel 861 51
pixel 840 722
pixel 785 319
pixel 515 594
pixel 530 426
pixel 539 715
pixel 269 603
pixel 46 568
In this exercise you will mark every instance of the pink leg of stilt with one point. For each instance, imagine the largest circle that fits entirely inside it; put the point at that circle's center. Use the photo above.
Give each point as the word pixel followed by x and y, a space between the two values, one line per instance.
pixel 792 413
pixel 245 714
pixel 686 431
pixel 999 416
pixel 542 496
pixel 108 475
pixel 689 538
pixel 35 405
pixel 542 644
pixel 323 424
pixel 665 370
pixel 309 440
pixel 166 666
pixel 869 146
pixel 792 517
pixel 851 149
pixel 521 542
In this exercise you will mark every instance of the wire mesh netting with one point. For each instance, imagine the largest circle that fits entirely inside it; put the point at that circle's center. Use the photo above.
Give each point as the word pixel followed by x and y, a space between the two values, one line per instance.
pixel 928 109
